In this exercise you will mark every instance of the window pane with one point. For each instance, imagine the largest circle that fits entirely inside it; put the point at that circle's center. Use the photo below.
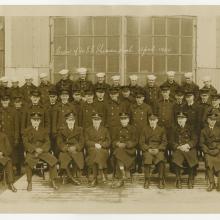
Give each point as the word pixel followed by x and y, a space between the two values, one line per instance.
pixel 159 26
pixel 132 63
pixel 173 45
pixel 187 27
pixel 146 45
pixel 99 26
pixel 113 44
pixel 73 26
pixel 99 63
pixel 146 25
pixel 99 45
pixel 59 45
pixel 2 62
pixel 159 64
pixel 146 63
pixel 113 64
pixel 86 45
pixel 186 45
pixel 186 63
pixel 159 44
pixel 73 45
pixel 173 63
pixel 86 61
pixel 86 25
pixel 72 63
pixel 59 26
pixel 114 24
pixel 59 63
pixel 132 26
pixel 173 26
pixel 132 45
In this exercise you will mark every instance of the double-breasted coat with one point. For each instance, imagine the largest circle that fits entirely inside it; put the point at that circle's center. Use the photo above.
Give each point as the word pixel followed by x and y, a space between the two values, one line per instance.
pixel 26 91
pixel 210 143
pixel 128 136
pixel 153 139
pixel 67 138
pixel 181 136
pixel 102 137
pixel 34 139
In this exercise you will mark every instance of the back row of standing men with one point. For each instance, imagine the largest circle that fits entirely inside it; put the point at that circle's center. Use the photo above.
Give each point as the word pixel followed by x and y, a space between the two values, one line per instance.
pixel 54 102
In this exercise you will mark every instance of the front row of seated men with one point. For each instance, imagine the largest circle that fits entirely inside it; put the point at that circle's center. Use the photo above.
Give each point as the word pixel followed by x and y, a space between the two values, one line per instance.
pixel 120 147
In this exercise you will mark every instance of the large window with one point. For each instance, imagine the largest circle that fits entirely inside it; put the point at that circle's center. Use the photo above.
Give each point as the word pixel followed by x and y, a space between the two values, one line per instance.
pixel 123 45
pixel 2 46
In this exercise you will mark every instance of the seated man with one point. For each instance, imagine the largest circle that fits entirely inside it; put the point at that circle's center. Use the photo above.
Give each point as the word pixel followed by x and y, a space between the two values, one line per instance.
pixel 184 146
pixel 37 144
pixel 97 140
pixel 124 148
pixel 153 143
pixel 70 141
pixel 210 143
pixel 5 160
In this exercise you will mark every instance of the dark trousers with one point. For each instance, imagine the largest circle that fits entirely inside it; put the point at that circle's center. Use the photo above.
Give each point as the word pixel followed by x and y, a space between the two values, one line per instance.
pixel 8 168
pixel 52 172
pixel 191 171
pixel 160 167
pixel 210 174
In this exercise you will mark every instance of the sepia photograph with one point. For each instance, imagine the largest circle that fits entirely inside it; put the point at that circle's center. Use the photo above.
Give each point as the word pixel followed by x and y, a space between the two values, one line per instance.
pixel 109 109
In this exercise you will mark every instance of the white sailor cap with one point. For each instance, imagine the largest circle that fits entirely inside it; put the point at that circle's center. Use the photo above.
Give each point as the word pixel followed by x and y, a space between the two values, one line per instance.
pixel 188 75
pixel 100 74
pixel 14 79
pixel 206 78
pixel 28 76
pixel 43 75
pixel 151 77
pixel 133 77
pixel 115 77
pixel 4 79
pixel 171 73
pixel 82 70
pixel 64 71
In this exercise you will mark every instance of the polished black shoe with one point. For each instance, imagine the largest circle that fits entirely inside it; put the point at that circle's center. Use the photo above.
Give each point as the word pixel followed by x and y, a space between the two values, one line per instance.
pixel 93 183
pixel 75 181
pixel 146 184
pixel 12 188
pixel 178 184
pixel 210 187
pixel 161 184
pixel 53 184
pixel 118 184
pixel 29 187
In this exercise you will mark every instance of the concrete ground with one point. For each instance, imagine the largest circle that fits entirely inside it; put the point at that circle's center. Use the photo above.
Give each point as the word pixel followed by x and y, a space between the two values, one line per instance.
pixel 133 198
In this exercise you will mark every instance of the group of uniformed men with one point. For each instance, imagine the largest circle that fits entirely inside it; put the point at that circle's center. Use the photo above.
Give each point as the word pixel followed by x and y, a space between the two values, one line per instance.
pixel 100 128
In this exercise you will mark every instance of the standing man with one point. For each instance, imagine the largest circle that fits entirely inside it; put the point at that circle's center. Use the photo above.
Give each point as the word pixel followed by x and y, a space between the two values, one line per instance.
pixel 140 112
pixel 189 85
pixel 101 82
pixel 152 92
pixel 210 143
pixel 124 143
pixel 97 139
pixel 70 141
pixel 15 89
pixel 27 88
pixel 133 85
pixel 153 143
pixel 171 83
pixel 82 82
pixel 65 81
pixel 44 88
pixel 208 85
pixel 184 147
pixel 37 144
pixel 179 103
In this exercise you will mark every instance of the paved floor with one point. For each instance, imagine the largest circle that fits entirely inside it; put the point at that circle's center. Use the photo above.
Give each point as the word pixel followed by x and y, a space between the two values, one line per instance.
pixel 102 199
